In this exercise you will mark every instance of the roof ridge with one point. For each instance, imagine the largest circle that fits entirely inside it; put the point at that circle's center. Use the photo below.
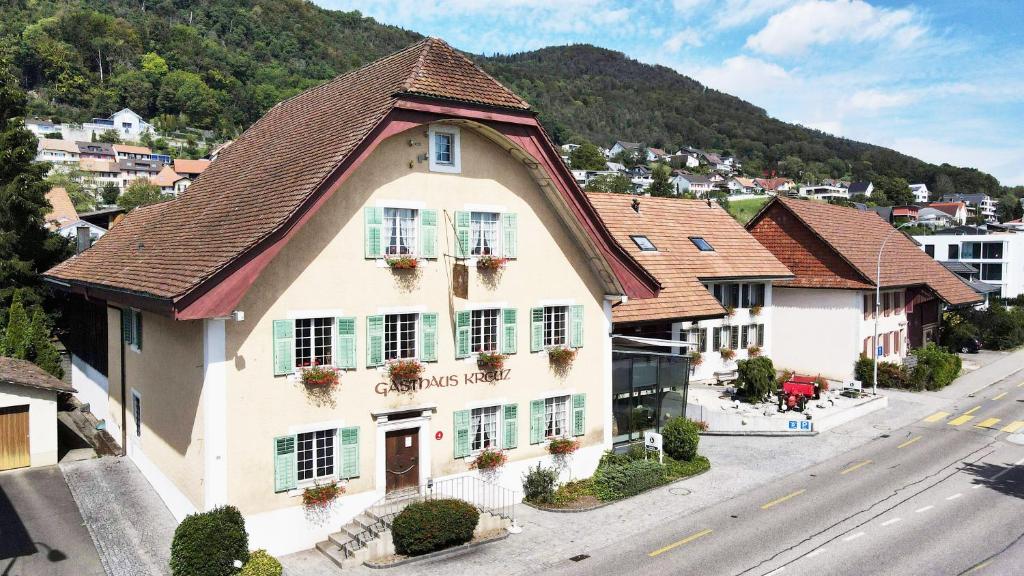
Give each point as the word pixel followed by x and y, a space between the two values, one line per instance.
pixel 427 43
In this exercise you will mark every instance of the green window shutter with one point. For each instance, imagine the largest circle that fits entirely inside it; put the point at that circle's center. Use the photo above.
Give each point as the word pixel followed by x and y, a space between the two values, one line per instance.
pixel 462 233
pixel 576 323
pixel 284 347
pixel 536 329
pixel 463 320
pixel 536 421
pixel 716 340
pixel 428 331
pixel 284 463
pixel 126 325
pixel 511 439
pixel 374 341
pixel 349 451
pixel 760 334
pixel 428 233
pixel 346 356
pixel 579 414
pixel 137 329
pixel 743 336
pixel 509 334
pixel 509 235
pixel 373 218
pixel 461 431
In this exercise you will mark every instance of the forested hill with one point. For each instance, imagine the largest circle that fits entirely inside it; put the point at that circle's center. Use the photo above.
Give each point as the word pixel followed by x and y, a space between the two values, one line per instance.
pixel 219 64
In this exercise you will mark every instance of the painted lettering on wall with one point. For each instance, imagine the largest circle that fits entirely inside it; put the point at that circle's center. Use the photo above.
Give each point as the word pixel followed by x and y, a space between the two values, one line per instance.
pixel 446 381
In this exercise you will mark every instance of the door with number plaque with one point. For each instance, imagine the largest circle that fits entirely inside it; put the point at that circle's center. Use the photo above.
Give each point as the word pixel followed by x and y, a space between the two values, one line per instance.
pixel 402 452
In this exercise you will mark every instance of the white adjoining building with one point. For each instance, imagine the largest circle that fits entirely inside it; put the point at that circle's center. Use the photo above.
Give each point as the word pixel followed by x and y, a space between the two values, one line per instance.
pixel 998 256
pixel 128 125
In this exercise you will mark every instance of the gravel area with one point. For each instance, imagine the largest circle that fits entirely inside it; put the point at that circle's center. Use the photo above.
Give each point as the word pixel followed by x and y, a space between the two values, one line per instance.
pixel 129 524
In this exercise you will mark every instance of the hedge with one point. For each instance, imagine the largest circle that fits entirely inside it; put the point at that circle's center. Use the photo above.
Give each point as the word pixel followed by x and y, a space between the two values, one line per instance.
pixel 261 564
pixel 935 370
pixel 615 481
pixel 425 527
pixel 681 436
pixel 208 543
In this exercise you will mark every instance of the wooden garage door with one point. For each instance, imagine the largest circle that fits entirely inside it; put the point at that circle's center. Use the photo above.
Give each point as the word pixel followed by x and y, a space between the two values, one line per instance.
pixel 14 437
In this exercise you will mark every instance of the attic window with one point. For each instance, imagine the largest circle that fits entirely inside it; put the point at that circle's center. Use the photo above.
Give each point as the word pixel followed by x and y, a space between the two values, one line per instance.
pixel 445 149
pixel 701 244
pixel 644 243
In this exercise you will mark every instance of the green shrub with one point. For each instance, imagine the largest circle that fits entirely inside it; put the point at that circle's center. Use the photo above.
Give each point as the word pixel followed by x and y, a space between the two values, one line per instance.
pixel 617 481
pixel 889 375
pixel 756 378
pixel 261 564
pixel 935 368
pixel 572 491
pixel 634 452
pixel 208 543
pixel 680 438
pixel 433 525
pixel 675 469
pixel 539 484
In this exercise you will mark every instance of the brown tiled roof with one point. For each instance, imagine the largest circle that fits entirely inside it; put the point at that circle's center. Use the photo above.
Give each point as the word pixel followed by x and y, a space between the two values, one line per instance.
pixel 24 373
pixel 679 266
pixel 166 177
pixel 128 149
pixel 186 166
pixel 168 249
pixel 856 237
pixel 57 144
pixel 62 210
pixel 950 208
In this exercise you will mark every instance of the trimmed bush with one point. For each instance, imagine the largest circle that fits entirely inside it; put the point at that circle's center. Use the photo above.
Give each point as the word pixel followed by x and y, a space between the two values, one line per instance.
pixel 208 543
pixel 680 438
pixel 756 378
pixel 261 564
pixel 433 525
pixel 539 484
pixel 935 368
pixel 617 481
pixel 890 375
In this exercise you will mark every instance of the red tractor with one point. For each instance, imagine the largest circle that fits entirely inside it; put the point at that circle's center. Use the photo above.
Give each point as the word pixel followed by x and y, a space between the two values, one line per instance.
pixel 796 392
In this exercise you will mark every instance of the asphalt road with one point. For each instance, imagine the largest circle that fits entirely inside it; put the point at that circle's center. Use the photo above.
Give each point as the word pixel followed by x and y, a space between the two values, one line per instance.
pixel 944 495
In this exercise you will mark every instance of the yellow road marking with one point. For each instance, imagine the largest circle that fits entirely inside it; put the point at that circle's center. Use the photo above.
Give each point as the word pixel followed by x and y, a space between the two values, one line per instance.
pixel 689 538
pixel 972 410
pixel 909 442
pixel 855 466
pixel 960 420
pixel 979 567
pixel 1000 396
pixel 936 417
pixel 987 423
pixel 1017 425
pixel 1021 385
pixel 783 499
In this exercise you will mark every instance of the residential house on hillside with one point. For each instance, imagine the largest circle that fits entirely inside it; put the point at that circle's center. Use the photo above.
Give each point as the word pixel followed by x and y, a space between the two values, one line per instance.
pixel 128 152
pixel 170 182
pixel 96 151
pixel 64 219
pixel 935 219
pixel 696 184
pixel 977 204
pixel 62 153
pixel 740 185
pixel 998 256
pixel 865 188
pixel 133 169
pixel 685 158
pixel 632 147
pixel 716 293
pixel 783 186
pixel 320 239
pixel 955 210
pixel 825 192
pixel 658 154
pixel 921 193
pixel 190 168
pixel 101 172
pixel 128 125
pixel 827 314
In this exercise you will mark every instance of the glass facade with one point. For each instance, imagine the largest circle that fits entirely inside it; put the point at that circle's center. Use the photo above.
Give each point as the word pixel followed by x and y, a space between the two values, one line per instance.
pixel 648 390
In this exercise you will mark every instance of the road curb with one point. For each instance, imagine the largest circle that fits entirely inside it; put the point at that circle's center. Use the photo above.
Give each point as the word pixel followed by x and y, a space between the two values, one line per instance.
pixel 766 433
pixel 435 555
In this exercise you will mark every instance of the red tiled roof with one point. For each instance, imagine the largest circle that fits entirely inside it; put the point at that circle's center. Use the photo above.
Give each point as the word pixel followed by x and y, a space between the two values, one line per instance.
pixel 679 266
pixel 186 166
pixel 62 209
pixel 950 208
pixel 771 183
pixel 855 236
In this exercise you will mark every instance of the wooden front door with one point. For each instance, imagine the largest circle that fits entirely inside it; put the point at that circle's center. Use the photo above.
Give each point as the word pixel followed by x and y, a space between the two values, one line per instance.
pixel 401 460
pixel 14 437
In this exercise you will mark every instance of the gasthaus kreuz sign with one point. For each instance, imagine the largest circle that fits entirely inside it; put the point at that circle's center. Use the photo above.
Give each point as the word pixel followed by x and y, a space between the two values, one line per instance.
pixel 443 381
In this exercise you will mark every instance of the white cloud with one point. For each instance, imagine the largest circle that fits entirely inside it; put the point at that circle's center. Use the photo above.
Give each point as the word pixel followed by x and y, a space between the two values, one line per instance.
pixel 876 99
pixel 687 6
pixel 746 77
pixel 685 37
pixel 735 13
pixel 821 22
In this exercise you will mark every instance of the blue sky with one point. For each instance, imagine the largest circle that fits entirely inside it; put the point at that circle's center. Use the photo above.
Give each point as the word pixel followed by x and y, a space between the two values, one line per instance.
pixel 941 80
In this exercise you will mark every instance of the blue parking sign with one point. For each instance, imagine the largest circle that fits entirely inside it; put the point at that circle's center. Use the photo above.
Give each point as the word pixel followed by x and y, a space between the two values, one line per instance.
pixel 880 353
pixel 805 425
pixel 792 424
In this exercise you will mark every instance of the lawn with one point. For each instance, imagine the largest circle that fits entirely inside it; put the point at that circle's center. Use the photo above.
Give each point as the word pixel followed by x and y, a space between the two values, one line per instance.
pixel 744 210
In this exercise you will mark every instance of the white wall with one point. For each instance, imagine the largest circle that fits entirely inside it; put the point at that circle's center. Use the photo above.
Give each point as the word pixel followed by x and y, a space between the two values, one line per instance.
pixel 1012 284
pixel 93 388
pixel 42 420
pixel 816 331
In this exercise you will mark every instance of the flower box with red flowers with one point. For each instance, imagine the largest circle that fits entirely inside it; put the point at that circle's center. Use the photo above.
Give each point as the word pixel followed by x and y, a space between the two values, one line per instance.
pixel 489 460
pixel 727 354
pixel 319 375
pixel 402 263
pixel 321 495
pixel 490 361
pixel 401 370
pixel 563 446
pixel 561 357
pixel 488 263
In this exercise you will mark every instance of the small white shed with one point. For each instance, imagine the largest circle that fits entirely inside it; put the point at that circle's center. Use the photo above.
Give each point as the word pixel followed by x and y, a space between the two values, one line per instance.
pixel 28 414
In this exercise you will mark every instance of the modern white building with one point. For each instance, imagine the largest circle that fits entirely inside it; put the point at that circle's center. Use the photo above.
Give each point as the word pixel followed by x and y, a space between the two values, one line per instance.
pixel 921 194
pixel 61 153
pixel 998 256
pixel 824 192
pixel 128 125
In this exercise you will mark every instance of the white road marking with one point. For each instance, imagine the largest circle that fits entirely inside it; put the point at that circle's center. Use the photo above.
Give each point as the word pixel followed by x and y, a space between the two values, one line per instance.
pixel 996 477
pixel 853 536
pixel 776 571
pixel 815 553
pixel 891 522
pixel 925 509
pixel 976 486
pixel 954 496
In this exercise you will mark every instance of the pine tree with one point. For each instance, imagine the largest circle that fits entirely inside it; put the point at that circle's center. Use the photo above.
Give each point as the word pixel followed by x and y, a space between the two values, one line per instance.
pixel 660 184
pixel 17 335
pixel 41 348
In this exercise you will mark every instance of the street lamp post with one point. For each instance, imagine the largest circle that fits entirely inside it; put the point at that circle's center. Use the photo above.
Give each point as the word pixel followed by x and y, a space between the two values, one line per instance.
pixel 878 301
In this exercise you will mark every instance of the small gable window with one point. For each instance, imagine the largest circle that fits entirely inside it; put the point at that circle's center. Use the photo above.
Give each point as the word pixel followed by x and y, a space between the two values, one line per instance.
pixel 644 243
pixel 445 149
pixel 701 244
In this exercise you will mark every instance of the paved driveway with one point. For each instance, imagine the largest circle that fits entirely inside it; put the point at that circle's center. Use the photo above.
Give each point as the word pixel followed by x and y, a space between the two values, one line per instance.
pixel 41 530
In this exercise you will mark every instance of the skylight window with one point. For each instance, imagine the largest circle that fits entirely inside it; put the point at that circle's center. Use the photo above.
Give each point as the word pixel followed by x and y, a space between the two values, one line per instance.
pixel 701 244
pixel 644 243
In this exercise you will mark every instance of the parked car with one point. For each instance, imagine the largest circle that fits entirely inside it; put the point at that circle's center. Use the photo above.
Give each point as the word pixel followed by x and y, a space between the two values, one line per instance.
pixel 969 345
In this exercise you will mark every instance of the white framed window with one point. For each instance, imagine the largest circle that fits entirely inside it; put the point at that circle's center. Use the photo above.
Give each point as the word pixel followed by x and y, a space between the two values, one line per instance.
pixel 315 455
pixel 314 342
pixel 400 336
pixel 483 233
pixel 137 413
pixel 484 330
pixel 556 325
pixel 484 428
pixel 400 231
pixel 555 416
pixel 445 149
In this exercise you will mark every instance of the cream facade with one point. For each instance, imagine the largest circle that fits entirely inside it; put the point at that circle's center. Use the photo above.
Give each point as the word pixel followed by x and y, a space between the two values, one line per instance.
pixel 41 406
pixel 225 417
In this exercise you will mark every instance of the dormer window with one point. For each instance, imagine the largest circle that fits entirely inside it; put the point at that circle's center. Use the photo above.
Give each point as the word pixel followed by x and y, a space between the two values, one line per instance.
pixel 644 243
pixel 445 149
pixel 701 244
